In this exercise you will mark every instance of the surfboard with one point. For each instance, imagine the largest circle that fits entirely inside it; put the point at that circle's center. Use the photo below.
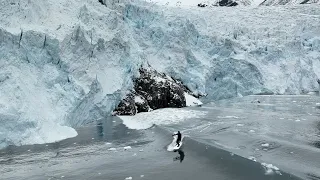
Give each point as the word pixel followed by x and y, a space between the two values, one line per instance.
pixel 173 145
pixel 176 147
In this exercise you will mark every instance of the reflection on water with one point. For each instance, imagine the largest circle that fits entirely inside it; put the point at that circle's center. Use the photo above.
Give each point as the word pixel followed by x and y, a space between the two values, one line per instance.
pixel 317 143
pixel 180 157
pixel 100 130
pixel 110 129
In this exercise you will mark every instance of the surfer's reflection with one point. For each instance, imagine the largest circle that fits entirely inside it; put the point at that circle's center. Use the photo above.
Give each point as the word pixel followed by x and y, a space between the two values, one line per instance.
pixel 100 129
pixel 181 155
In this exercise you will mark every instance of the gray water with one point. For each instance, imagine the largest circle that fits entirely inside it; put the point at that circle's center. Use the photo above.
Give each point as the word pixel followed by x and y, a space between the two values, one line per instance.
pixel 148 159
pixel 279 130
pixel 288 124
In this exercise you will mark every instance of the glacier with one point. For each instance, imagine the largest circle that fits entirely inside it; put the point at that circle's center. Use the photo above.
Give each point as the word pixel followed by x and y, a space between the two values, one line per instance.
pixel 66 63
pixel 210 3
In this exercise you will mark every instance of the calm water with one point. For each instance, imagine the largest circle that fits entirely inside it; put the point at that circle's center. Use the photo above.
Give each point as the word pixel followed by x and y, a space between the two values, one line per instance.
pixel 280 130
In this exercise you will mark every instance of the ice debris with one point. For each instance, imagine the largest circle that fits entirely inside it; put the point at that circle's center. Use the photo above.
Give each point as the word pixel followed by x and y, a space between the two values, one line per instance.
pixel 252 158
pixel 270 169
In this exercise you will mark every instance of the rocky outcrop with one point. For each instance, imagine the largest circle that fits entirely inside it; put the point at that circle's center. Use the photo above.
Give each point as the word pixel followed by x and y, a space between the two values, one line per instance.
pixel 227 3
pixel 202 5
pixel 152 90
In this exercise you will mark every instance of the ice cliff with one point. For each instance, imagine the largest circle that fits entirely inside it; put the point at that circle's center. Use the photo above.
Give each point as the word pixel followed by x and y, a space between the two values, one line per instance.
pixel 66 63
pixel 231 3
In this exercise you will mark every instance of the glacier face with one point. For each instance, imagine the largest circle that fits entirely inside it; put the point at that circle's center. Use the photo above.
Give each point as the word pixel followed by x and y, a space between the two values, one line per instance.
pixel 210 3
pixel 65 63
pixel 225 52
pixel 60 74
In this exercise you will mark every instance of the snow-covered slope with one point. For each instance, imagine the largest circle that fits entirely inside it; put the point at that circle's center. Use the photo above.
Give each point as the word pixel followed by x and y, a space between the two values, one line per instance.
pixel 65 63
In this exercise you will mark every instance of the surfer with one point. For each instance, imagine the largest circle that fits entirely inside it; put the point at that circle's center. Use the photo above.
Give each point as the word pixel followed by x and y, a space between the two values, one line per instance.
pixel 179 138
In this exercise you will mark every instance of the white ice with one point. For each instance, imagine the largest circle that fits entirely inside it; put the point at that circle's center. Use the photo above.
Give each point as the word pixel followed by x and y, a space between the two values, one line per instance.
pixel 252 158
pixel 265 145
pixel 112 149
pixel 227 117
pixel 127 148
pixel 146 120
pixel 191 100
pixel 173 144
pixel 137 99
pixel 270 169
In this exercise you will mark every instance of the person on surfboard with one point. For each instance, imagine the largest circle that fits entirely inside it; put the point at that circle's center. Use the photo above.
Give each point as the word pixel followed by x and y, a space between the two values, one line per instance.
pixel 179 138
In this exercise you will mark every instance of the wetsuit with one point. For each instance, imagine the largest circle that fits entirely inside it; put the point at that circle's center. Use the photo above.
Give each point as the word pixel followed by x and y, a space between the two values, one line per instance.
pixel 179 138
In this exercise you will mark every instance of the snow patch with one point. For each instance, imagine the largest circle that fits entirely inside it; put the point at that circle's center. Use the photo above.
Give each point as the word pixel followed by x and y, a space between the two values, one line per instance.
pixel 137 99
pixel 191 101
pixel 159 79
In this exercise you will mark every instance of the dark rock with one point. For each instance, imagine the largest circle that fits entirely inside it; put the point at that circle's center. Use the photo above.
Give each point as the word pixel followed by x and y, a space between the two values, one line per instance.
pixel 126 106
pixel 141 104
pixel 152 90
pixel 102 2
pixel 202 5
pixel 228 3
